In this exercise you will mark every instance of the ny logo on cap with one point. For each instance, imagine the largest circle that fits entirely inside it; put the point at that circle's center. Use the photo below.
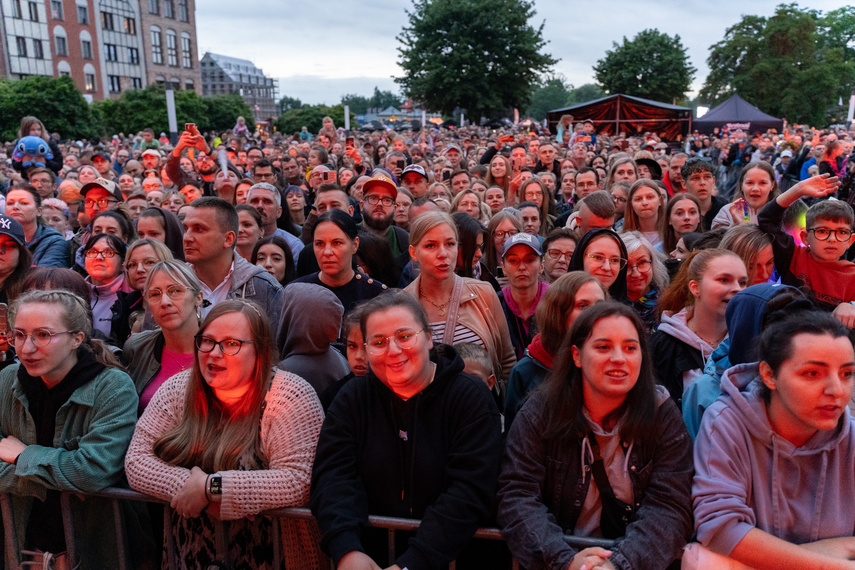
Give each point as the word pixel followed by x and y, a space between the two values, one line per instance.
pixel 5 223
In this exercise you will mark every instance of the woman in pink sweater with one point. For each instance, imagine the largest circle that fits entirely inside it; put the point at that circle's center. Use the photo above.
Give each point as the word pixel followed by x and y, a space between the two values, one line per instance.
pixel 227 440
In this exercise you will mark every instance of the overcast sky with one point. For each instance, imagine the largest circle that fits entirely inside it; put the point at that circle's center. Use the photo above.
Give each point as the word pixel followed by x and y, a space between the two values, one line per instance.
pixel 320 51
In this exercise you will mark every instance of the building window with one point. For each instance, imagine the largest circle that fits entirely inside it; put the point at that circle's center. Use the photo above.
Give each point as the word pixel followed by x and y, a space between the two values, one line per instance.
pixel 34 11
pixel 64 73
pixel 130 26
pixel 61 46
pixel 136 82
pixel 156 47
pixel 183 11
pixel 134 56
pixel 22 46
pixel 86 48
pixel 38 49
pixel 115 83
pixel 89 80
pixel 171 48
pixel 110 53
pixel 16 9
pixel 56 9
pixel 107 21
pixel 153 7
pixel 186 57
pixel 168 9
pixel 83 15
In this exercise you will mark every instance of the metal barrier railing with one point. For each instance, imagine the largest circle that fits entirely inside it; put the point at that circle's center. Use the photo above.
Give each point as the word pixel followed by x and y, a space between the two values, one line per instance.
pixel 116 495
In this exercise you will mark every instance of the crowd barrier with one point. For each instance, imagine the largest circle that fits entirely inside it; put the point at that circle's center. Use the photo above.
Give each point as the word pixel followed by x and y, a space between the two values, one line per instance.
pixel 116 495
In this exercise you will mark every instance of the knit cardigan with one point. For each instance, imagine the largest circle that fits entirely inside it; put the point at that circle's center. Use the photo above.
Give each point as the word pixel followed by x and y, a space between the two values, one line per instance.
pixel 290 426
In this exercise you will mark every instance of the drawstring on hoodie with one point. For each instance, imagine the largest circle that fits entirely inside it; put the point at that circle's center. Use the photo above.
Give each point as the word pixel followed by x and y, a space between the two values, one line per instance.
pixel 587 458
pixel 820 492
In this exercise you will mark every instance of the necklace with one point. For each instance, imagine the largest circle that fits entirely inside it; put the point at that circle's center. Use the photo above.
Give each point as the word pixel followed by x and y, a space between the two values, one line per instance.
pixel 690 323
pixel 440 308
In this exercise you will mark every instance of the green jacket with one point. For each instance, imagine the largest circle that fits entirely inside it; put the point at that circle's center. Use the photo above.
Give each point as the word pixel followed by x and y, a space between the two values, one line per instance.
pixel 93 430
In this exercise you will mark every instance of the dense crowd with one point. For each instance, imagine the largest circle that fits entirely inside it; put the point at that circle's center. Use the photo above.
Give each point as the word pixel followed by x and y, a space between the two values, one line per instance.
pixel 556 333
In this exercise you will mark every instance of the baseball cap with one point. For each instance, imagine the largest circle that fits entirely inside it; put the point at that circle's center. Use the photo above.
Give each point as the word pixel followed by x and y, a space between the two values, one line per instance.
pixel 101 155
pixel 522 238
pixel 787 152
pixel 381 179
pixel 12 228
pixel 417 168
pixel 152 152
pixel 453 147
pixel 103 184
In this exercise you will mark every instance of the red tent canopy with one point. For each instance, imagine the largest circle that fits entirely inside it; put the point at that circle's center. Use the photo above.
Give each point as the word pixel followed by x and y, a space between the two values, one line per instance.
pixel 630 115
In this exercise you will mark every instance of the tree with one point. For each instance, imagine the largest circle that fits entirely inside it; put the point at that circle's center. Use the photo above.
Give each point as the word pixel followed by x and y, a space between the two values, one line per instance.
pixel 553 93
pixel 583 93
pixel 357 103
pixel 56 102
pixel 223 111
pixel 652 65
pixel 795 64
pixel 287 103
pixel 311 117
pixel 383 99
pixel 479 55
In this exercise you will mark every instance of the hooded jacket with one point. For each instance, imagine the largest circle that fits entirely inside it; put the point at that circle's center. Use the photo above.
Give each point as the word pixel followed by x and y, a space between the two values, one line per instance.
pixel 49 248
pixel 527 375
pixel 747 476
pixel 433 457
pixel 744 317
pixel 310 322
pixel 577 263
pixel 676 350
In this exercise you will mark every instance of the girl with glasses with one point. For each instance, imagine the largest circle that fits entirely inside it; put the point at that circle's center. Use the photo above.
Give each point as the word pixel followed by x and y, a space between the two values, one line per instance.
pixel 227 439
pixel 68 413
pixel 646 277
pixel 602 254
pixel 414 438
pixel 104 256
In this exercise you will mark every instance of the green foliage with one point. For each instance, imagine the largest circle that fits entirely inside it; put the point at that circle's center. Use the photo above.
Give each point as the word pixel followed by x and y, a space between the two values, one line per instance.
pixel 652 65
pixel 311 117
pixel 287 103
pixel 56 102
pixel 795 64
pixel 137 109
pixel 358 104
pixel 383 99
pixel 555 93
pixel 479 55
pixel 223 111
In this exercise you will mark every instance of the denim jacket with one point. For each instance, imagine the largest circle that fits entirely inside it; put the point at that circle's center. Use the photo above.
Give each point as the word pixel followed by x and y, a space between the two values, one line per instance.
pixel 543 486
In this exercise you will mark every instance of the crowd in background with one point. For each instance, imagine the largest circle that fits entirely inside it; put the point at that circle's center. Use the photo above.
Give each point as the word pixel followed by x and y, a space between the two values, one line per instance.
pixel 554 332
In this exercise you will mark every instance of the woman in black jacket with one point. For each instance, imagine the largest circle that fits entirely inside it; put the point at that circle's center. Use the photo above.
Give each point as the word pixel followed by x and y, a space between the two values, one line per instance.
pixel 415 438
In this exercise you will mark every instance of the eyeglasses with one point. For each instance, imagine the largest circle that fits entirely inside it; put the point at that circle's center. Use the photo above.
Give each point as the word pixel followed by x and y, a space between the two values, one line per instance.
pixel 174 292
pixel 404 338
pixel 40 337
pixel 823 234
pixel 102 203
pixel 228 346
pixel 146 263
pixel 503 234
pixel 618 199
pixel 374 200
pixel 556 254
pixel 642 266
pixel 602 260
pixel 106 254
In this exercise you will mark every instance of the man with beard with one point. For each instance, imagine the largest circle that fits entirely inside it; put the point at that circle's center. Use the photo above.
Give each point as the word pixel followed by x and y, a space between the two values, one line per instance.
pixel 267 199
pixel 378 209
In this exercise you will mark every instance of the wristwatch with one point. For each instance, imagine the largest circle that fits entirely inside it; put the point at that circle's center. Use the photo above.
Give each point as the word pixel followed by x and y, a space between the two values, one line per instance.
pixel 215 485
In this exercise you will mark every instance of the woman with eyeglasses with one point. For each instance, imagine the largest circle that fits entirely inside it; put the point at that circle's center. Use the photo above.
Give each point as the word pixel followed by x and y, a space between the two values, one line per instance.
pixel 646 277
pixel 414 438
pixel 692 312
pixel 128 309
pixel 502 225
pixel 172 294
pixel 602 254
pixel 227 438
pixel 48 247
pixel 104 256
pixel 68 413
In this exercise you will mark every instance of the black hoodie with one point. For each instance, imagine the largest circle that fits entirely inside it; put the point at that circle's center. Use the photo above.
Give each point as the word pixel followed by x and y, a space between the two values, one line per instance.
pixel 433 457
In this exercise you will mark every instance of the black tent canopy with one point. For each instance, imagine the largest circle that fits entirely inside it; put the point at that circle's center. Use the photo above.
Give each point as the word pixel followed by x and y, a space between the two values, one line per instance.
pixel 631 115
pixel 737 113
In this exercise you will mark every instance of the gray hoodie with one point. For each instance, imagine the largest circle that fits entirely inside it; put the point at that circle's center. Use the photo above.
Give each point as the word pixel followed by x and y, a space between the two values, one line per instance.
pixel 310 322
pixel 747 476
